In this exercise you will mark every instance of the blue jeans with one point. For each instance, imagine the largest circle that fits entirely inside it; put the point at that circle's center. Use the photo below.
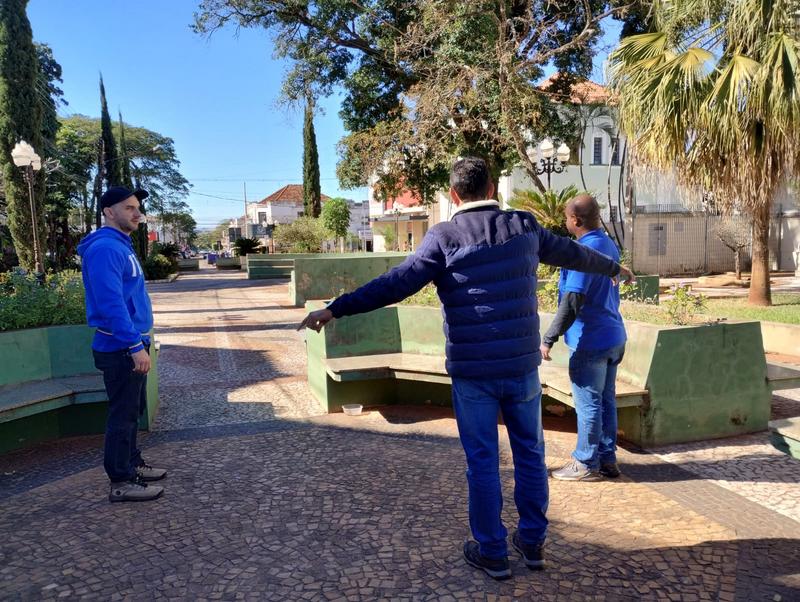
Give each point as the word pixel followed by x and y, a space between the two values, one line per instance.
pixel 127 399
pixel 593 373
pixel 476 404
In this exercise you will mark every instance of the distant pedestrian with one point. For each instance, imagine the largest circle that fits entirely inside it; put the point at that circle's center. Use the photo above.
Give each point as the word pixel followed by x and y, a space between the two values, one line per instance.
pixel 118 307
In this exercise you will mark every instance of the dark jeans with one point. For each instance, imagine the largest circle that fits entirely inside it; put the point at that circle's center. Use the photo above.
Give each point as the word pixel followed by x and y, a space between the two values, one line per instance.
pixel 127 399
pixel 477 404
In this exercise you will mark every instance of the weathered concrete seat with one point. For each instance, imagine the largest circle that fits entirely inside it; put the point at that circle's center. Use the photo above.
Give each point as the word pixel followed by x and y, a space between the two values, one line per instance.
pixel 431 368
pixel 782 376
pixel 675 384
pixel 27 399
pixel 49 387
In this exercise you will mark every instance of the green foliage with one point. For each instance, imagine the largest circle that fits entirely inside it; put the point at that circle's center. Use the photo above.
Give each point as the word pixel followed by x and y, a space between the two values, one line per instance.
pixel 111 157
pixel 158 267
pixel 427 297
pixel 547 293
pixel 548 207
pixel 389 237
pixel 168 249
pixel 311 189
pixel 27 303
pixel 336 216
pixel 247 246
pixel 683 305
pixel 304 235
pixel 20 119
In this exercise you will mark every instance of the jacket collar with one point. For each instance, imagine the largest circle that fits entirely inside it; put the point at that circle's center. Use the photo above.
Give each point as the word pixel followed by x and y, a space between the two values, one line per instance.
pixel 475 205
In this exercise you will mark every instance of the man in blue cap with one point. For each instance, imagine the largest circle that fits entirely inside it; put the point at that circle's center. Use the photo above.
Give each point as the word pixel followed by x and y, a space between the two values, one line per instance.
pixel 118 307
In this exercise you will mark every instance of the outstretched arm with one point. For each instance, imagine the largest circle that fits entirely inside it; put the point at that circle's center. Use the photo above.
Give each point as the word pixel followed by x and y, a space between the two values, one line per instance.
pixel 566 253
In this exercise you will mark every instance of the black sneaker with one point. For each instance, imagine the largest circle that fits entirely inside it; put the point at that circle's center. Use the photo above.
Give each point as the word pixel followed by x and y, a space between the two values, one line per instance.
pixel 610 470
pixel 532 555
pixel 496 568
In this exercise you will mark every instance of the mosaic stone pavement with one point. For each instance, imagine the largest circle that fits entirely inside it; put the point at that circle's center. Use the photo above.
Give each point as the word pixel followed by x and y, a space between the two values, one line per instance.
pixel 269 499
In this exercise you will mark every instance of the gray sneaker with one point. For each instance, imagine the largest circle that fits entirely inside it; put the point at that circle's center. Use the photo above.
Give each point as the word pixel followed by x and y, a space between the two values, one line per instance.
pixel 134 491
pixel 149 473
pixel 575 471
pixel 610 470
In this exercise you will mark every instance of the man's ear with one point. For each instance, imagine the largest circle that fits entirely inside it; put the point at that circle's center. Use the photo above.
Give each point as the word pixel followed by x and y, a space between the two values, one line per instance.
pixel 490 191
pixel 454 196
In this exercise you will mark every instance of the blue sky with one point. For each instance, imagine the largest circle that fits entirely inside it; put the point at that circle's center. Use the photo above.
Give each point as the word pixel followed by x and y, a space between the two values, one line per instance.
pixel 215 97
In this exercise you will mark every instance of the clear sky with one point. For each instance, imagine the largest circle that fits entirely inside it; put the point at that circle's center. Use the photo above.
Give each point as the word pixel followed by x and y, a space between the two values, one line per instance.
pixel 215 97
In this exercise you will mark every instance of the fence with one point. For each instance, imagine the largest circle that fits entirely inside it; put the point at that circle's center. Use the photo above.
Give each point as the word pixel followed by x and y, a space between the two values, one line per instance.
pixel 671 243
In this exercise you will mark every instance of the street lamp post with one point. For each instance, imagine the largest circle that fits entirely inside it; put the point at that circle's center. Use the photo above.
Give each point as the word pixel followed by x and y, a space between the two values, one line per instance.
pixel 396 208
pixel 549 164
pixel 25 156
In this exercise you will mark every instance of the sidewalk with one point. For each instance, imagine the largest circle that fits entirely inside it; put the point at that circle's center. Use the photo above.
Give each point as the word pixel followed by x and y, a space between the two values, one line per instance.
pixel 269 499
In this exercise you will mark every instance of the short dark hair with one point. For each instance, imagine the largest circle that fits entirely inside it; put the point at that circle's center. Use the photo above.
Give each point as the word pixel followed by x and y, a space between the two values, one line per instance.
pixel 470 178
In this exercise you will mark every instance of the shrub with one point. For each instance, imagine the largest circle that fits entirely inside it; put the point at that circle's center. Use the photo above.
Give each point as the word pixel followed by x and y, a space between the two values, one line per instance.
pixel 304 235
pixel 158 267
pixel 168 249
pixel 25 302
pixel 683 305
pixel 246 246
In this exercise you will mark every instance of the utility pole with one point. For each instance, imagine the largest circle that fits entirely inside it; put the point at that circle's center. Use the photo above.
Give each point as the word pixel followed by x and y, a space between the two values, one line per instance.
pixel 246 218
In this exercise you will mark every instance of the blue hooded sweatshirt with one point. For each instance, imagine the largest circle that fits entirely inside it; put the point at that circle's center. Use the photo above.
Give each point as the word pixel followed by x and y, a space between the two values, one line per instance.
pixel 117 304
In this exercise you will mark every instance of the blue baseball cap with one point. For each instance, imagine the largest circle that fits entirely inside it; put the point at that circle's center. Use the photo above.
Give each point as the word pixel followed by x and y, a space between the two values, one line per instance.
pixel 117 194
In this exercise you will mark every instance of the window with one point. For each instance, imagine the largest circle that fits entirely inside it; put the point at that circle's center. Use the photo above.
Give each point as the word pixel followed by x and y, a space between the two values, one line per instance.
pixel 597 151
pixel 615 151
pixel 657 240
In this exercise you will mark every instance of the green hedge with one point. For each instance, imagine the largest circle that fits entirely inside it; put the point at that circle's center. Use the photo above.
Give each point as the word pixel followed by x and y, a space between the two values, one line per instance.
pixel 27 303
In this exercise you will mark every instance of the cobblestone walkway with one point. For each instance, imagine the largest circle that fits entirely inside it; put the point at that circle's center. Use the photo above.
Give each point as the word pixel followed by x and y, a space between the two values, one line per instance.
pixel 268 499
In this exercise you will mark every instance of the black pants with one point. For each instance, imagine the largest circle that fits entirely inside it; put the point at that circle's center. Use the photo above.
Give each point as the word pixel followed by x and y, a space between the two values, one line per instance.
pixel 127 399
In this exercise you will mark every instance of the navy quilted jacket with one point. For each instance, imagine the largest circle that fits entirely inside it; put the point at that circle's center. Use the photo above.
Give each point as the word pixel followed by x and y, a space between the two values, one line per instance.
pixel 483 263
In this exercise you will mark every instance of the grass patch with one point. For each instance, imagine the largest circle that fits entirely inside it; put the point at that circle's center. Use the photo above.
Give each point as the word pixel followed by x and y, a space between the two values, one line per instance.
pixel 785 308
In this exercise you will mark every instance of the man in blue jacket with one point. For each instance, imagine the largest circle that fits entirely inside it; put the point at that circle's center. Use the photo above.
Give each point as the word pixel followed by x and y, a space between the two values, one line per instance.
pixel 483 263
pixel 588 315
pixel 118 307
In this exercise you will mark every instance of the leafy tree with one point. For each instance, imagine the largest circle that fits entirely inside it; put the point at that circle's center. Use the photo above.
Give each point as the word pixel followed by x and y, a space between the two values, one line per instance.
pixel 428 80
pixel 112 172
pixel 304 235
pixel 336 217
pixel 311 188
pixel 138 238
pixel 736 234
pixel 390 238
pixel 20 119
pixel 713 94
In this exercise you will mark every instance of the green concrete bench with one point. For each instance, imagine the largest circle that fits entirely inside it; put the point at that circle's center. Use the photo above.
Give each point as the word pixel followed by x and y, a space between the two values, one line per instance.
pixel 49 387
pixel 431 368
pixel 189 265
pixel 281 265
pixel 675 384
pixel 228 263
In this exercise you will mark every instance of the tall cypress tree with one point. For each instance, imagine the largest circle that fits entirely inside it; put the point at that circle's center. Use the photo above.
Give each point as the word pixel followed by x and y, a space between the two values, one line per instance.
pixel 20 119
pixel 111 165
pixel 311 190
pixel 138 238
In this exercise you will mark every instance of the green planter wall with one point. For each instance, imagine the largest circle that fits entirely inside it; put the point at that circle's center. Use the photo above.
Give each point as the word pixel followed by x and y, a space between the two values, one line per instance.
pixel 704 382
pixel 39 354
pixel 324 277
pixel 280 265
pixel 645 290
pixel 229 263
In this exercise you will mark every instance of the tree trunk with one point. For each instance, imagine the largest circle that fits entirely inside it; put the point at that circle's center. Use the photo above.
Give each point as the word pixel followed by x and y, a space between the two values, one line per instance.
pixel 760 293
pixel 737 263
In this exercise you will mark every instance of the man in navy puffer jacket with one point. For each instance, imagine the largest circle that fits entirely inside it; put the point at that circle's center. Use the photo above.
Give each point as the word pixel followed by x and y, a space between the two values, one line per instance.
pixel 483 263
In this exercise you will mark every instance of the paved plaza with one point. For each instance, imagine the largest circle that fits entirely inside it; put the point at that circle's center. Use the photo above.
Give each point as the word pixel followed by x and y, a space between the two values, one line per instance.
pixel 268 498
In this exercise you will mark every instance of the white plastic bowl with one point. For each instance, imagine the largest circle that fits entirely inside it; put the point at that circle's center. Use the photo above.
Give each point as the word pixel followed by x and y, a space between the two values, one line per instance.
pixel 352 409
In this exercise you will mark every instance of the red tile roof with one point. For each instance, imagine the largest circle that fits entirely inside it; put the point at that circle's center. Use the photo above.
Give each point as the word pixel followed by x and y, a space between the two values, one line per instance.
pixel 404 199
pixel 582 92
pixel 291 193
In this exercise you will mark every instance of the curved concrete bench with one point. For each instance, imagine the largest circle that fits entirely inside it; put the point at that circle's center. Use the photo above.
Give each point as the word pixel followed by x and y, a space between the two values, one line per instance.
pixel 675 384
pixel 49 387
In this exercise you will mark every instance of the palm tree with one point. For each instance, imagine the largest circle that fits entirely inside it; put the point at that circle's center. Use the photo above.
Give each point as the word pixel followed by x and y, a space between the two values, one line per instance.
pixel 547 207
pixel 713 94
